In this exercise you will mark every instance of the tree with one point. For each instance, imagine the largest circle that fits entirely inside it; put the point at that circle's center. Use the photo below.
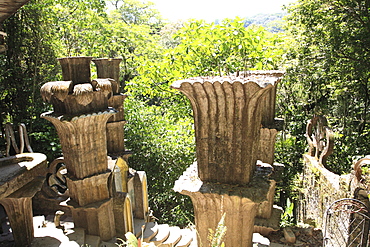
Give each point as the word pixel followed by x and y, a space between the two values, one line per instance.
pixel 329 74
pixel 28 63
pixel 206 50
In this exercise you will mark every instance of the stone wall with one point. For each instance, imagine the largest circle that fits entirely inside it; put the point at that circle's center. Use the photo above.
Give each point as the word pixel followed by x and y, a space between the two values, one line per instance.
pixel 319 189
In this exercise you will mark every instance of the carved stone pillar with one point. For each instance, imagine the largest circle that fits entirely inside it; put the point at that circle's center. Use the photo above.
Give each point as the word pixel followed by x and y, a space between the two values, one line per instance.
pixel 83 141
pixel 109 68
pixel 229 113
pixel 80 116
pixel 227 117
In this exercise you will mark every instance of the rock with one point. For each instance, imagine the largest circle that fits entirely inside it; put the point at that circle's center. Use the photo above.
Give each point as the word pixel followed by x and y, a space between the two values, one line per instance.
pixel 289 235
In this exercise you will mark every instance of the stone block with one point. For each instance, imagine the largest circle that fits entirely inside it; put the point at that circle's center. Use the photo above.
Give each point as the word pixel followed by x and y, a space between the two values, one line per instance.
pixel 115 137
pixel 97 218
pixel 289 235
pixel 123 217
pixel 90 189
pixel 141 209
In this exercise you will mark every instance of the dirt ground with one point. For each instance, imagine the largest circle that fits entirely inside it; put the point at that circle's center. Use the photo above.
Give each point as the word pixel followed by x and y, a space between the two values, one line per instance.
pixel 305 237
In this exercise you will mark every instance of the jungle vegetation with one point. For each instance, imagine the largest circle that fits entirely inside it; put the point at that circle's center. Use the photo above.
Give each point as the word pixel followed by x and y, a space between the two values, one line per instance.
pixel 323 45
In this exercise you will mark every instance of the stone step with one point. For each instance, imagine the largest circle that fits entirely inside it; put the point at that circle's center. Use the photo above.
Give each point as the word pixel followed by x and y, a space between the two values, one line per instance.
pixel 162 235
pixel 174 238
pixel 78 236
pixel 92 241
pixel 138 224
pixel 187 237
pixel 151 230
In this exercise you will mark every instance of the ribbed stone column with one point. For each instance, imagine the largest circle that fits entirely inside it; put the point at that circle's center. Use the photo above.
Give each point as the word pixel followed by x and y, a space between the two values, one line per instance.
pixel 80 116
pixel 81 138
pixel 227 117
pixel 109 68
pixel 230 113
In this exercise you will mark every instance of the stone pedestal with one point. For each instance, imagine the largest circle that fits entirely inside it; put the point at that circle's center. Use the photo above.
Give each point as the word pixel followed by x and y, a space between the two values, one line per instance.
pixel 18 207
pixel 240 204
pixel 234 127
pixel 97 218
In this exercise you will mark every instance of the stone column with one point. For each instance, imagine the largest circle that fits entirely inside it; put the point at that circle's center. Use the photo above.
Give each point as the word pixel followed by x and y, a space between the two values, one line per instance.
pixel 80 115
pixel 228 117
pixel 109 68
pixel 123 209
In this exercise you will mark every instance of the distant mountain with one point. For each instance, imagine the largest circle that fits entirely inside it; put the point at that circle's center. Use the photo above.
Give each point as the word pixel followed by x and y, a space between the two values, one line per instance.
pixel 272 22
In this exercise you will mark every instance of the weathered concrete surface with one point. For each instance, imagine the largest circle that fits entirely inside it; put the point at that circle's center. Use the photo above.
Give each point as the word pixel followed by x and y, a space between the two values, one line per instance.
pixel 18 170
pixel 80 117
pixel 228 113
pixel 9 7
pixel 240 203
pixel 21 176
pixel 234 127
pixel 320 188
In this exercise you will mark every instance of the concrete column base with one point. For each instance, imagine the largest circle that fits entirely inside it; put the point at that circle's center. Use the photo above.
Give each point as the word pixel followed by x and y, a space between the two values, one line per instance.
pixel 97 218
pixel 18 207
pixel 240 203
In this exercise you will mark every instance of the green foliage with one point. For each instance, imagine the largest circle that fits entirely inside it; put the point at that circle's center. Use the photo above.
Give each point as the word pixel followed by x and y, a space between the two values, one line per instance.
pixel 205 49
pixel 329 73
pixel 163 146
pixel 28 63
pixel 215 237
pixel 287 219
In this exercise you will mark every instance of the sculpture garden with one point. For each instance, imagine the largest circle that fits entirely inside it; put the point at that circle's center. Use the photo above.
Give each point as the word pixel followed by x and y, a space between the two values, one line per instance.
pixel 190 134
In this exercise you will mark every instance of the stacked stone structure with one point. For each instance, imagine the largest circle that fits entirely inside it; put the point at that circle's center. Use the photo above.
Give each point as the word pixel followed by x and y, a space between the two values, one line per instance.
pixel 234 127
pixel 80 116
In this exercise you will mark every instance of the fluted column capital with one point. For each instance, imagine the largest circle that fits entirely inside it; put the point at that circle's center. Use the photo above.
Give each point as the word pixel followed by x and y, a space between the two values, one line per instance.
pixel 228 117
pixel 83 140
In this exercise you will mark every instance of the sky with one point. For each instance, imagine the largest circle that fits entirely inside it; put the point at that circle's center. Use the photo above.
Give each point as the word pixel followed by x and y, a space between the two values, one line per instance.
pixel 210 10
